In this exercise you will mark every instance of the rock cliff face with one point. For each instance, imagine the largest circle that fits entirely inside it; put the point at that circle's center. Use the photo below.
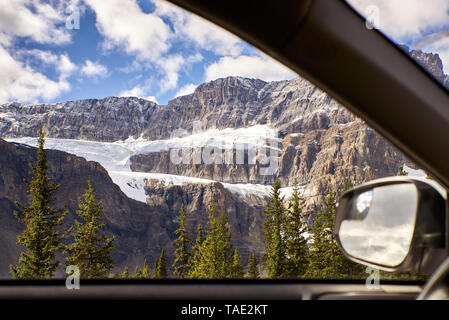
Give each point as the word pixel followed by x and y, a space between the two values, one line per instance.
pixel 141 230
pixel 320 144
pixel 109 119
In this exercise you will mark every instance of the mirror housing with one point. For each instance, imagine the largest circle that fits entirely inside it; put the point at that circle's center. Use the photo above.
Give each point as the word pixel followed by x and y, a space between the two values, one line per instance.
pixel 427 245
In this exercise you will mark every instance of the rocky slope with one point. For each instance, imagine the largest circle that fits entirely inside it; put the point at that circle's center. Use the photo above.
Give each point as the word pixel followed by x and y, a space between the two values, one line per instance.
pixel 320 144
pixel 141 230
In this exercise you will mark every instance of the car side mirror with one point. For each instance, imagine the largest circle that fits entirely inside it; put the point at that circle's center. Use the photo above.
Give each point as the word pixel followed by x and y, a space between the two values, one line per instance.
pixel 394 224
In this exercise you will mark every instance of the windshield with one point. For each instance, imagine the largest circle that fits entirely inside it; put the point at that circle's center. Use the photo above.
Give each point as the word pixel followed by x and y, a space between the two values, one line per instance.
pixel 161 146
pixel 419 28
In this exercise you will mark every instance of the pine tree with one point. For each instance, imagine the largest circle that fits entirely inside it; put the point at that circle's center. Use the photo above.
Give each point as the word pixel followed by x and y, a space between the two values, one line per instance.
pixel 125 274
pixel 155 268
pixel 273 228
pixel 326 259
pixel 90 251
pixel 253 271
pixel 401 171
pixel 295 240
pixel 196 253
pixel 146 270
pixel 41 237
pixel 161 266
pixel 182 253
pixel 137 273
pixel 236 267
pixel 213 255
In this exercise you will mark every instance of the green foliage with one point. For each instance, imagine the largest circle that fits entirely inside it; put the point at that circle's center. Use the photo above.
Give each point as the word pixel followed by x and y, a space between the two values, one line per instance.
pixel 294 229
pixel 137 273
pixel 41 237
pixel 274 242
pixel 125 274
pixel 236 270
pixel 146 270
pixel 161 266
pixel 212 255
pixel 325 258
pixel 90 251
pixel 182 253
pixel 253 270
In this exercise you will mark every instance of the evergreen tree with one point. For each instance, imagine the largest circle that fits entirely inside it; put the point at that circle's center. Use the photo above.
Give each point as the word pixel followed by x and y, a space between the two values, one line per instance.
pixel 273 228
pixel 253 271
pixel 155 268
pixel 90 251
pixel 401 171
pixel 213 255
pixel 182 253
pixel 295 240
pixel 326 259
pixel 41 237
pixel 146 271
pixel 125 274
pixel 161 266
pixel 196 253
pixel 236 267
pixel 137 273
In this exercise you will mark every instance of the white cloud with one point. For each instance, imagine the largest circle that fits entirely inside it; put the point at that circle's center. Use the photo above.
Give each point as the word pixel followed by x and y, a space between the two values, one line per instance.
pixel 124 25
pixel 19 82
pixel 250 67
pixel 41 22
pixel 139 92
pixel 94 69
pixel 61 63
pixel 185 90
pixel 201 32
pixel 406 18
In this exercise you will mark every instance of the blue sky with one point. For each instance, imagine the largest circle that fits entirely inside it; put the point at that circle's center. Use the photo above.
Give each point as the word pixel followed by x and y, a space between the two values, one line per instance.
pixel 149 49
pixel 154 50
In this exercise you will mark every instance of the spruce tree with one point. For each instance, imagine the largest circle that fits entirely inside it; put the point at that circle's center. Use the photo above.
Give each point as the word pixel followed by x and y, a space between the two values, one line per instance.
pixel 294 234
pixel 155 268
pixel 161 266
pixel 273 228
pixel 90 251
pixel 146 270
pixel 182 253
pixel 326 259
pixel 137 273
pixel 196 253
pixel 41 237
pixel 125 274
pixel 253 271
pixel 236 270
pixel 213 255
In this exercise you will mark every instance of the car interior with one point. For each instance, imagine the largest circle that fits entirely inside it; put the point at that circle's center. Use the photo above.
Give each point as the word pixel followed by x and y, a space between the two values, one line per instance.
pixel 327 43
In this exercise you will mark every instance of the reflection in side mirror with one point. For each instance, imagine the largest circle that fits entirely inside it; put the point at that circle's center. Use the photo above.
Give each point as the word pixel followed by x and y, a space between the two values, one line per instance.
pixel 380 224
pixel 394 224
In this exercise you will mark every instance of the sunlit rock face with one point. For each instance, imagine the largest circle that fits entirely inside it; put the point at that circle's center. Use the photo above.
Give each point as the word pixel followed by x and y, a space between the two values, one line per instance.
pixel 320 145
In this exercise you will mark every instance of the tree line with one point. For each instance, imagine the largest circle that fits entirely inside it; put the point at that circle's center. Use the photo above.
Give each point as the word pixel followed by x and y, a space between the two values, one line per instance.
pixel 293 249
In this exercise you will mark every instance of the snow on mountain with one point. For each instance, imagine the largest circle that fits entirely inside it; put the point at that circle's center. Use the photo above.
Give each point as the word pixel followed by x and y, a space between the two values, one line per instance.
pixel 115 156
pixel 414 172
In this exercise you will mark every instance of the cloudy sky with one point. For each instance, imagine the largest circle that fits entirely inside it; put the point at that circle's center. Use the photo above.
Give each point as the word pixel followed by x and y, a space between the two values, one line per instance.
pixel 420 24
pixel 142 48
pixel 152 49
